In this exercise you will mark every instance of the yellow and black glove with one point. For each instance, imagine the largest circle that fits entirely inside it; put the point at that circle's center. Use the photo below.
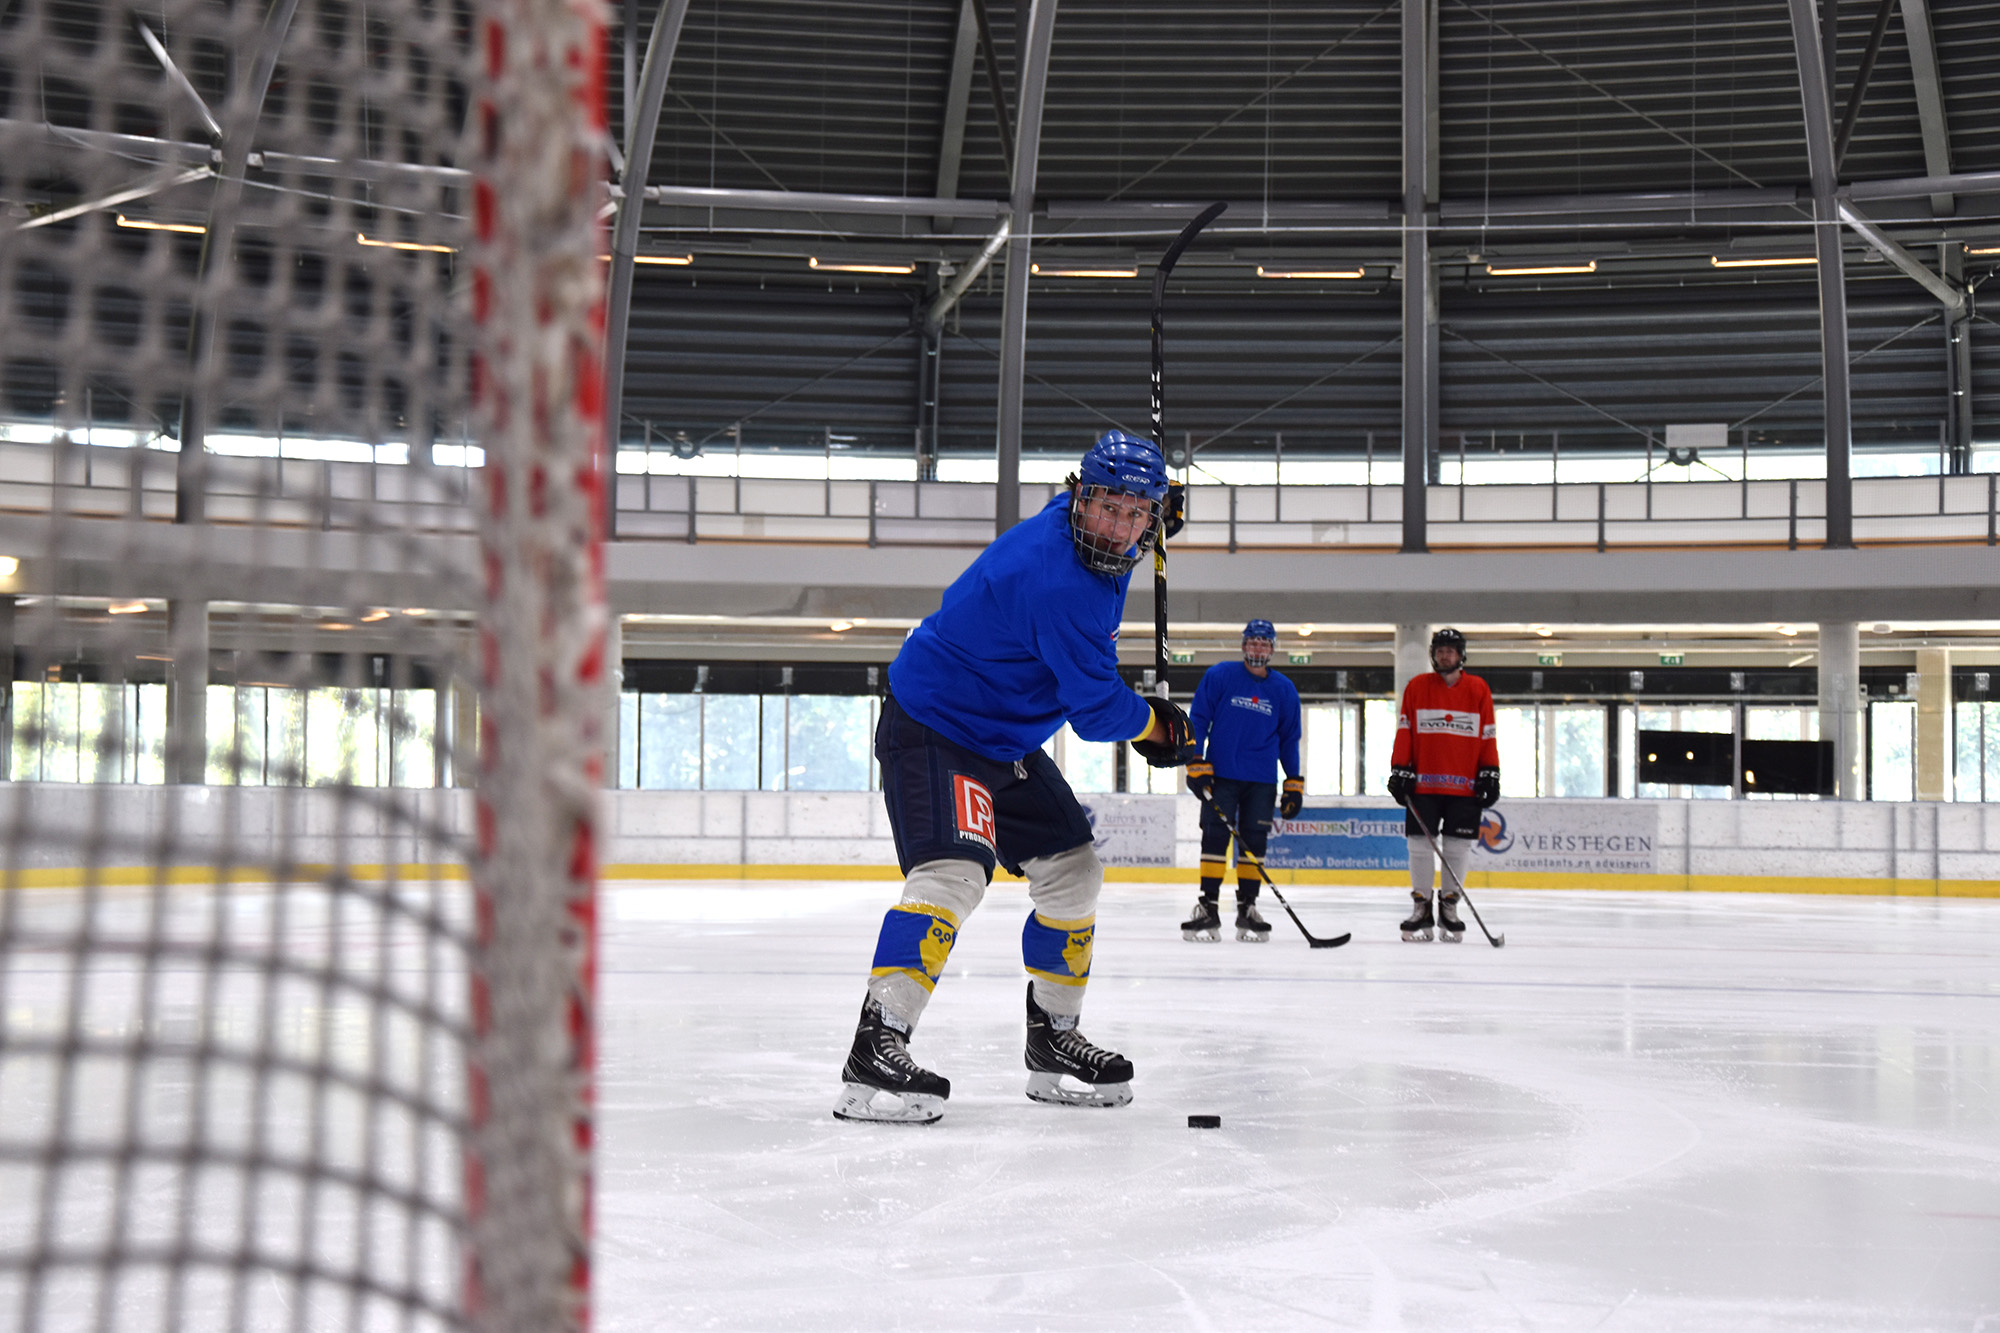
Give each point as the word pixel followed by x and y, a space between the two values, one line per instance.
pixel 1201 778
pixel 1293 798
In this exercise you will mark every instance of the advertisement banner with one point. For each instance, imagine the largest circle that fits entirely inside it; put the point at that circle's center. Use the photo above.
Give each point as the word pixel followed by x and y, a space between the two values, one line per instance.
pixel 1586 837
pixel 1132 830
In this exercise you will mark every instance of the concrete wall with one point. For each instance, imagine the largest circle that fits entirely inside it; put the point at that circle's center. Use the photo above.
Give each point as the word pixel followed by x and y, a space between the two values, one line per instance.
pixel 56 829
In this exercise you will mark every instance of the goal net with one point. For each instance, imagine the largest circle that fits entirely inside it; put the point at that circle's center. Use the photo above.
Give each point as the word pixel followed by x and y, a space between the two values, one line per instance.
pixel 300 502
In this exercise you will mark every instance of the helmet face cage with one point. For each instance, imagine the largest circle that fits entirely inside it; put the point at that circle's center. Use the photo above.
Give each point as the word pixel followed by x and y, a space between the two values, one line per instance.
pixel 1447 638
pixel 1096 550
pixel 1260 639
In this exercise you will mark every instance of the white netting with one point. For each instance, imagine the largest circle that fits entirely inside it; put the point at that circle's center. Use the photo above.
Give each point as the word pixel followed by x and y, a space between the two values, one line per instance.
pixel 299 477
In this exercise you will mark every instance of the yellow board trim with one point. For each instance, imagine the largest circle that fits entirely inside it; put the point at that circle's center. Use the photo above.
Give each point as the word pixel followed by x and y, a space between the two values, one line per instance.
pixel 648 871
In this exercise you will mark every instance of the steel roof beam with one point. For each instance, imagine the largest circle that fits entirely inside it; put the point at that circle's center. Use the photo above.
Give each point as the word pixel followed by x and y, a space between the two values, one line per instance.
pixel 1033 67
pixel 1818 108
pixel 1420 304
pixel 1930 99
pixel 1952 298
pixel 957 95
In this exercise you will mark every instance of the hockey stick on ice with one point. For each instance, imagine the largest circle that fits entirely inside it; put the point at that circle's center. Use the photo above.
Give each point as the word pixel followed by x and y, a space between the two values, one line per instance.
pixel 1312 940
pixel 1495 940
pixel 1166 267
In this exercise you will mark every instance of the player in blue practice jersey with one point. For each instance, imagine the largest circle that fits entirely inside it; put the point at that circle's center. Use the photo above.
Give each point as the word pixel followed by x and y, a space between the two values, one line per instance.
pixel 1026 639
pixel 1246 724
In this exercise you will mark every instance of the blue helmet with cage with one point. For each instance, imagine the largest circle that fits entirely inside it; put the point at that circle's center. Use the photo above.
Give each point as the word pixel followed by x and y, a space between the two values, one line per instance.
pixel 1259 638
pixel 1118 464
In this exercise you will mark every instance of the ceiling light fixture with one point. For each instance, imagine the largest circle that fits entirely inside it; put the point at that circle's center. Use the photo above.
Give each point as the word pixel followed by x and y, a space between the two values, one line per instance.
pixel 1041 272
pixel 415 611
pixel 841 626
pixel 126 608
pixel 831 267
pixel 1786 261
pixel 1788 630
pixel 1983 250
pixel 1305 631
pixel 1536 270
pixel 1314 273
pixel 1544 632
pixel 405 245
pixel 10 565
pixel 141 224
pixel 678 261
pixel 379 613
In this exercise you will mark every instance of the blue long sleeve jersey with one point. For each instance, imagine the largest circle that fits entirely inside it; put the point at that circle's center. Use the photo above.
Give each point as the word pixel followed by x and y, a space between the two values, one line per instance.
pixel 1244 726
pixel 1026 637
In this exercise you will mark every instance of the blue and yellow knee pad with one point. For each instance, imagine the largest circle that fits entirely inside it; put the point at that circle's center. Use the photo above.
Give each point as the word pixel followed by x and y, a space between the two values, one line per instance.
pixel 916 939
pixel 1058 951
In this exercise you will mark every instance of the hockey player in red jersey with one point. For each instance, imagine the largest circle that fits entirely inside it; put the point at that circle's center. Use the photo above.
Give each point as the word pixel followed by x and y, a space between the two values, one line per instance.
pixel 1446 769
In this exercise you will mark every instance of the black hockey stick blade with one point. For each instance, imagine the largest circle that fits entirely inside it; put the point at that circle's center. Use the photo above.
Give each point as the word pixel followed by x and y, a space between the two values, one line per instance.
pixel 1312 941
pixel 1496 941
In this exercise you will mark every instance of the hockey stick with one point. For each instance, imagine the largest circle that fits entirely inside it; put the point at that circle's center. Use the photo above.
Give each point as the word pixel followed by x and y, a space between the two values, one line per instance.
pixel 1312 940
pixel 1495 940
pixel 1166 267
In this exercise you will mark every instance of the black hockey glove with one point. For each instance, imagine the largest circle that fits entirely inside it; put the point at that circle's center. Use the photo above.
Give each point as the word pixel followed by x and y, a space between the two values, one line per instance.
pixel 1173 513
pixel 1402 781
pixel 1174 745
pixel 1294 797
pixel 1201 778
pixel 1487 787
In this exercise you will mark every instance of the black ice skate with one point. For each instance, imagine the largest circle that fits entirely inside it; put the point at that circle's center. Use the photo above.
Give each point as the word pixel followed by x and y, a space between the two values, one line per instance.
pixel 1450 929
pixel 1205 925
pixel 1251 927
pixel 1418 927
pixel 884 1085
pixel 1056 1048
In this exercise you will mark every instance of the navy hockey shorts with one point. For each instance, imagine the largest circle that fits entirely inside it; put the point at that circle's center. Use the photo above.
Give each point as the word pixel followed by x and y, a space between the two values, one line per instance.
pixel 1248 806
pixel 948 803
pixel 1448 816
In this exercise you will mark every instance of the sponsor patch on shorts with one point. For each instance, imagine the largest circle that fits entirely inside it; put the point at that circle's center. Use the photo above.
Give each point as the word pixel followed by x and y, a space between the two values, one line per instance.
pixel 972 805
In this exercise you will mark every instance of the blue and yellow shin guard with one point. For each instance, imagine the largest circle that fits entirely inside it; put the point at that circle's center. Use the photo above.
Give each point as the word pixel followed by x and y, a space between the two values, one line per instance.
pixel 1058 952
pixel 916 940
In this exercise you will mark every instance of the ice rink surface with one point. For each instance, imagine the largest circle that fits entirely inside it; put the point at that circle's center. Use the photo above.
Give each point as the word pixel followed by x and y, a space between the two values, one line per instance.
pixel 1648 1111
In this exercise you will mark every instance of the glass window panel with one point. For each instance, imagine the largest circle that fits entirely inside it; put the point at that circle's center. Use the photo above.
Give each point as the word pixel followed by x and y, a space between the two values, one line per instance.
pixel 1967 765
pixel 1891 769
pixel 1328 750
pixel 149 733
pixel 1520 735
pixel 413 734
pixel 628 738
pixel 1991 767
pixel 1142 779
pixel 829 748
pixel 1378 718
pixel 222 761
pixel 1090 766
pixel 1579 751
pixel 341 742
pixel 24 763
pixel 670 741
pixel 730 742
pixel 285 737
pixel 776 734
pixel 100 722
pixel 59 747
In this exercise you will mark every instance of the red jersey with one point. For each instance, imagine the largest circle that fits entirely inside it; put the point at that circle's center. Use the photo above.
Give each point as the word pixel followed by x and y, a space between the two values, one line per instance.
pixel 1446 733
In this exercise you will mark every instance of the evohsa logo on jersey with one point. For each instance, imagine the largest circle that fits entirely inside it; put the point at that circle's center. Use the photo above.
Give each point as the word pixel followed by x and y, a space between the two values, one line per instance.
pixel 972 804
pixel 1447 721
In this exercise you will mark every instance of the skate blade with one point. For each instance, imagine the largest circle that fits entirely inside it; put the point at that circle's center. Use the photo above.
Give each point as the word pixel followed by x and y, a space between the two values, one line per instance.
pixel 859 1102
pixel 1201 936
pixel 1253 936
pixel 1049 1089
pixel 1451 936
pixel 1417 936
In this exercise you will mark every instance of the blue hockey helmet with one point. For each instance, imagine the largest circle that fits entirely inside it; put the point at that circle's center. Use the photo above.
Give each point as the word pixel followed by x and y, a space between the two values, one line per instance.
pixel 1118 464
pixel 1259 638
pixel 1261 629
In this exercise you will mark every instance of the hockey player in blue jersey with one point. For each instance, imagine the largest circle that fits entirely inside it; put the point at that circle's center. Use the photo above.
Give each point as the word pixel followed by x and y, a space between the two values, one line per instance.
pixel 1026 639
pixel 1246 725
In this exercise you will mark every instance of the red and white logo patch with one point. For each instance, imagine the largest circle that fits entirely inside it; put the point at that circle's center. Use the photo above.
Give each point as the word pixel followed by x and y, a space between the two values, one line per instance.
pixel 973 805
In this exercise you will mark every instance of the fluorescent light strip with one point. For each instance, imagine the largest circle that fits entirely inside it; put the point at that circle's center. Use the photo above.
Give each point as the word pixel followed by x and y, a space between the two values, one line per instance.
pixel 1041 272
pixel 1263 272
pixel 862 268
pixel 407 245
pixel 141 224
pixel 1986 250
pixel 1536 270
pixel 1720 262
pixel 679 261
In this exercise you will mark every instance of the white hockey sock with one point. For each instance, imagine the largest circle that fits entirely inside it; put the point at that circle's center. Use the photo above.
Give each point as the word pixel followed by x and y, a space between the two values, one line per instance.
pixel 1457 856
pixel 1422 866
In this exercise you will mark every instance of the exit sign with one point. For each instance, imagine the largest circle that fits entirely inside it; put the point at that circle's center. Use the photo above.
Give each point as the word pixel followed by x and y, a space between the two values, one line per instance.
pixel 1179 658
pixel 1298 659
pixel 1670 659
pixel 1548 659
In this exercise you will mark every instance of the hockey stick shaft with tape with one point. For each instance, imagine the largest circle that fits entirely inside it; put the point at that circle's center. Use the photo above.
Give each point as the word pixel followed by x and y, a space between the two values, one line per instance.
pixel 1160 275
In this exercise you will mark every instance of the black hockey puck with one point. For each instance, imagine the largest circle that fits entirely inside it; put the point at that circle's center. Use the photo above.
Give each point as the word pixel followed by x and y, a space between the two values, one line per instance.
pixel 1204 1122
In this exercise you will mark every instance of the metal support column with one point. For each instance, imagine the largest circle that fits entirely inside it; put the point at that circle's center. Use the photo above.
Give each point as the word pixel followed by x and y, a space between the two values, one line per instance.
pixel 1815 94
pixel 614 658
pixel 1420 309
pixel 1932 735
pixel 1413 655
pixel 641 128
pixel 1033 72
pixel 1958 364
pixel 187 692
pixel 1840 704
pixel 6 687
